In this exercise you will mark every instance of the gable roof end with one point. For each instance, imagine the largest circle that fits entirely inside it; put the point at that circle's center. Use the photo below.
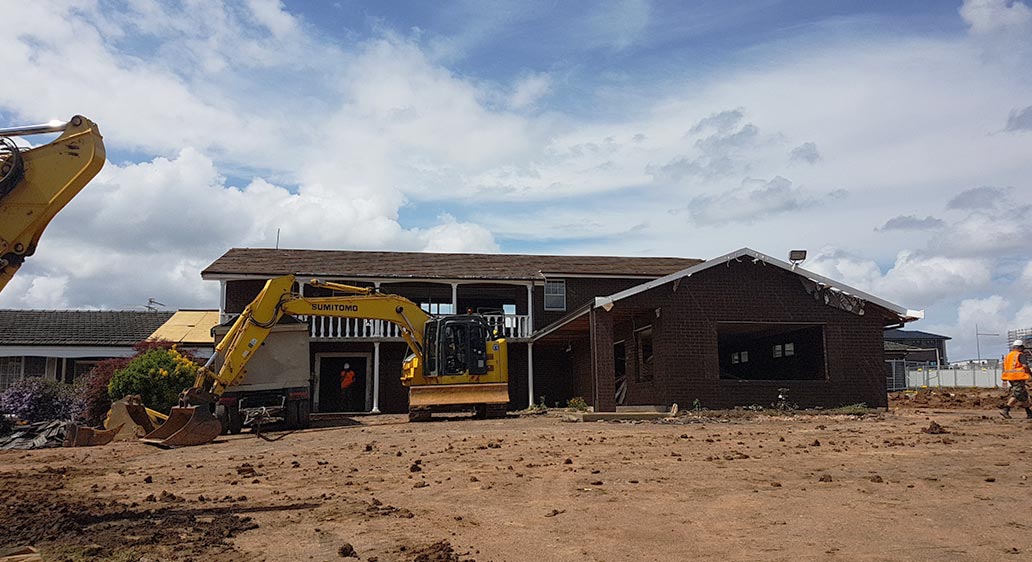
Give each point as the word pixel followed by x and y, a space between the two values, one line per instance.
pixel 905 314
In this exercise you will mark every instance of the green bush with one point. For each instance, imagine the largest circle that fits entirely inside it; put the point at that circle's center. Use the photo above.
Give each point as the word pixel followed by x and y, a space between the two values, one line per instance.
pixel 577 403
pixel 158 376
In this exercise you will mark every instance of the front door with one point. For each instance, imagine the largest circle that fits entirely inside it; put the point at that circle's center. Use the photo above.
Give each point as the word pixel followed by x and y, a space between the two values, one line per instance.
pixel 339 391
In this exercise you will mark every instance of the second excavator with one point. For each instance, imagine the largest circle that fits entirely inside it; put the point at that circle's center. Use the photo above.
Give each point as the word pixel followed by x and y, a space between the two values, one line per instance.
pixel 453 361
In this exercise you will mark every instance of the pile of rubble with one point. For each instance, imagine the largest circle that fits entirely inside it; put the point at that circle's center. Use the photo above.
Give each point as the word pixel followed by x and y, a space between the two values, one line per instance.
pixel 39 435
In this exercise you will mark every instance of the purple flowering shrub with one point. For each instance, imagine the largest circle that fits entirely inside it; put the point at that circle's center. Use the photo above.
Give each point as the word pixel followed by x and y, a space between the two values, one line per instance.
pixel 36 399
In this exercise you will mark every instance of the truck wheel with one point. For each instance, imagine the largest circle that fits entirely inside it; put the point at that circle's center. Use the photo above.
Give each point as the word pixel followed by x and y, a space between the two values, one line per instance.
pixel 222 414
pixel 419 414
pixel 304 413
pixel 290 415
pixel 236 420
pixel 230 418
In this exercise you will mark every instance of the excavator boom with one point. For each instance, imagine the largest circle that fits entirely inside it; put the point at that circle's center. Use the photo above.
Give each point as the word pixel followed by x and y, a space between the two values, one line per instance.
pixel 36 184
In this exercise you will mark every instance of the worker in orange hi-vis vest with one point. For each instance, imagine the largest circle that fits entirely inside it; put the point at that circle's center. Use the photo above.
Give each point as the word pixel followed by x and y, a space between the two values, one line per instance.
pixel 1016 372
pixel 347 378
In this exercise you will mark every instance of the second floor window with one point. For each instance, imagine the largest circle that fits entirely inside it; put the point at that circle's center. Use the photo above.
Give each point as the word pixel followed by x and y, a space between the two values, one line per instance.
pixel 555 295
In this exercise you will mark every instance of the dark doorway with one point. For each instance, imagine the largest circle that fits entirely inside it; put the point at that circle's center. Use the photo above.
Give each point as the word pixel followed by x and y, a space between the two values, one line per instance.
pixel 334 399
pixel 620 364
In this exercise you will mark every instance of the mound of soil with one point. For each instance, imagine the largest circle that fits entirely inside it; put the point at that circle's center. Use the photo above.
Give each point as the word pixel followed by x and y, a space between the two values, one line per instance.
pixel 35 511
pixel 949 398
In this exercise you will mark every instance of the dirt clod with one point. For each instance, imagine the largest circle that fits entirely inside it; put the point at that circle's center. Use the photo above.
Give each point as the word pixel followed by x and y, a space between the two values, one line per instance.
pixel 347 551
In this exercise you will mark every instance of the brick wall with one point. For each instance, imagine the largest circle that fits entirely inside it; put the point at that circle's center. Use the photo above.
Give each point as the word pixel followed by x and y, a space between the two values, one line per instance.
pixel 685 340
pixel 578 291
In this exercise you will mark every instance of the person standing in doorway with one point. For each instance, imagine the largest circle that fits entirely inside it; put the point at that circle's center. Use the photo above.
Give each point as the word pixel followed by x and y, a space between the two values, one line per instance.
pixel 1017 373
pixel 347 378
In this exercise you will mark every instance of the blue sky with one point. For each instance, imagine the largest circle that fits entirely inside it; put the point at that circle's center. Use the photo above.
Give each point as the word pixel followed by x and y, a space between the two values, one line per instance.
pixel 885 137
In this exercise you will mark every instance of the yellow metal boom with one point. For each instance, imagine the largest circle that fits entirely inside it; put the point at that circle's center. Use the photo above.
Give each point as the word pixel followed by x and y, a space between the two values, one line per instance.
pixel 37 183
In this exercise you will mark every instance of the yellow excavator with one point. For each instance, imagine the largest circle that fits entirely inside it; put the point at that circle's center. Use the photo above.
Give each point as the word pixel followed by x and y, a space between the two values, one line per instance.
pixel 454 360
pixel 38 182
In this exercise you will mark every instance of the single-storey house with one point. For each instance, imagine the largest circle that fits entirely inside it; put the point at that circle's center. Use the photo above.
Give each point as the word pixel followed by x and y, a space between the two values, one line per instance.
pixel 614 330
pixel 65 344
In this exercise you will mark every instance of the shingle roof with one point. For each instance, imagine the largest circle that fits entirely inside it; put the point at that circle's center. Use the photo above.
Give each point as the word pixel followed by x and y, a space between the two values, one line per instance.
pixel 913 335
pixel 421 265
pixel 78 327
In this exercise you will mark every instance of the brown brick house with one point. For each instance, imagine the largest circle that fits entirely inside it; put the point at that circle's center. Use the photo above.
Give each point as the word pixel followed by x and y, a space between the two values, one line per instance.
pixel 565 342
pixel 730 331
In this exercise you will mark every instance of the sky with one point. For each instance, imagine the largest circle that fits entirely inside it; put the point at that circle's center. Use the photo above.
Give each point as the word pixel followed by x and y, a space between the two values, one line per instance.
pixel 892 140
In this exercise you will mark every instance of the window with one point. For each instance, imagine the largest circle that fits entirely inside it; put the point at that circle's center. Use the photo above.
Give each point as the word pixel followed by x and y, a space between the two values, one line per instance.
pixel 35 366
pixel 10 371
pixel 769 351
pixel 555 295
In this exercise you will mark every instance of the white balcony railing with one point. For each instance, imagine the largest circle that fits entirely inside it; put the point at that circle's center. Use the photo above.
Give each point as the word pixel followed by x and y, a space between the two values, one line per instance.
pixel 511 326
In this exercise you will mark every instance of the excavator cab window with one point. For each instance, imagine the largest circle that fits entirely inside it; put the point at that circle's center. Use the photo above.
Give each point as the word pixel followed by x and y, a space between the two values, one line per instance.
pixel 478 336
pixel 430 348
pixel 456 346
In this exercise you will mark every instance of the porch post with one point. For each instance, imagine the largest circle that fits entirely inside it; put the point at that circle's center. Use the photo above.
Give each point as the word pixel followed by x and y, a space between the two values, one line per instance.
pixel 222 301
pixel 376 378
pixel 530 310
pixel 530 374
pixel 455 298
pixel 603 366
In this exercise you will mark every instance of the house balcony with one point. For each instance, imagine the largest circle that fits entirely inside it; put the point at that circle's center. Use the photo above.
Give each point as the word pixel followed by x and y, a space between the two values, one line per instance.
pixel 515 327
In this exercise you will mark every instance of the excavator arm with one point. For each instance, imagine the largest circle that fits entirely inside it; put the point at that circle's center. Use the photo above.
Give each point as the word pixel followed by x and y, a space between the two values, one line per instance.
pixel 36 184
pixel 277 298
pixel 193 424
pixel 459 363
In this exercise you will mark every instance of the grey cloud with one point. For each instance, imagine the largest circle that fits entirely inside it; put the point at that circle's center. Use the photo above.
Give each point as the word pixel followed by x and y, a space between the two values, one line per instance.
pixel 910 222
pixel 754 200
pixel 1020 120
pixel 984 197
pixel 718 150
pixel 680 168
pixel 806 152
pixel 721 122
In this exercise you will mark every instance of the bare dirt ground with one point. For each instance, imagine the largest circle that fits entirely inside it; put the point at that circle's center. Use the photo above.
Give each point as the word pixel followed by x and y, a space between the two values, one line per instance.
pixel 714 487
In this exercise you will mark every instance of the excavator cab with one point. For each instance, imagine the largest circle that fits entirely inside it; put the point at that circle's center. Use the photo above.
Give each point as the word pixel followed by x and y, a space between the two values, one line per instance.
pixel 464 364
pixel 456 345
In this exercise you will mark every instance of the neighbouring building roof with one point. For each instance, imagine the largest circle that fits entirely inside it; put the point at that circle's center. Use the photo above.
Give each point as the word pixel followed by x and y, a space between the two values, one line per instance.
pixel 78 327
pixel 913 335
pixel 190 327
pixel 264 262
pixel 895 346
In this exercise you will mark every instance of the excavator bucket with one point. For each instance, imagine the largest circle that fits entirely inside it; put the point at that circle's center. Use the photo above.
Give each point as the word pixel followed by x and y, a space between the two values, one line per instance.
pixel 185 427
pixel 81 436
pixel 446 395
pixel 130 415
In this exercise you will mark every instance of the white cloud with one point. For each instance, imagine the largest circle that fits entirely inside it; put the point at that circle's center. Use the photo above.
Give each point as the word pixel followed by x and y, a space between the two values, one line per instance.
pixel 994 16
pixel 529 89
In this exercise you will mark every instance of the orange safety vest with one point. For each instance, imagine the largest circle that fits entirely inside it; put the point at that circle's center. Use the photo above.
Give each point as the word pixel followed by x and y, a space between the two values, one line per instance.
pixel 1014 371
pixel 346 378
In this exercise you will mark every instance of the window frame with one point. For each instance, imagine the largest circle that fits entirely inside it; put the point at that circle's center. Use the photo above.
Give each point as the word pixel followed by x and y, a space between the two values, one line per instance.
pixel 545 294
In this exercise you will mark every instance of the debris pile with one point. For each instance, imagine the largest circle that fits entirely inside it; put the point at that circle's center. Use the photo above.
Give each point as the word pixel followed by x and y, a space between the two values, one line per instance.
pixel 39 435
